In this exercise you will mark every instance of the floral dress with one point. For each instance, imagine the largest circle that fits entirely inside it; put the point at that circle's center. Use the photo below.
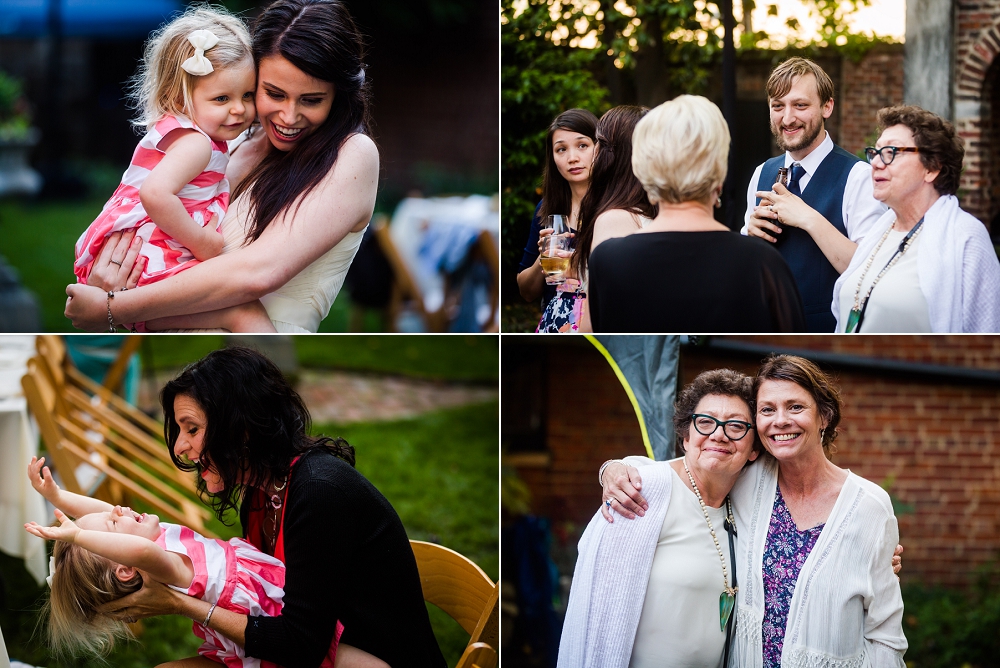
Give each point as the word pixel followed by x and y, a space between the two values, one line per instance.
pixel 562 313
pixel 785 550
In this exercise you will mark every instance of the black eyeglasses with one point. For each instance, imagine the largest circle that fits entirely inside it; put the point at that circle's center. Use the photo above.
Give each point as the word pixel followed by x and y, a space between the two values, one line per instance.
pixel 733 429
pixel 888 153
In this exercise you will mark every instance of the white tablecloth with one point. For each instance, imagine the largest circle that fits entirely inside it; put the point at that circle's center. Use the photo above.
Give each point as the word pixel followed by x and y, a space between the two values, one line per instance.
pixel 19 503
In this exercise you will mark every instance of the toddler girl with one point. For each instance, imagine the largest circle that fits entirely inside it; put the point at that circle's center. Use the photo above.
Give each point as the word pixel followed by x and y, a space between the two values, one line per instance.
pixel 97 559
pixel 195 92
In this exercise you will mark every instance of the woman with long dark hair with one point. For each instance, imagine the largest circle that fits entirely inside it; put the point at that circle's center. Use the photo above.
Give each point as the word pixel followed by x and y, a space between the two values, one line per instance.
pixel 303 185
pixel 616 204
pixel 568 157
pixel 234 419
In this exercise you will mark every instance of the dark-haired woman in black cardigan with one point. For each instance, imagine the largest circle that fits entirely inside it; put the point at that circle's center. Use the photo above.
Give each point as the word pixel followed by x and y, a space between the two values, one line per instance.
pixel 234 419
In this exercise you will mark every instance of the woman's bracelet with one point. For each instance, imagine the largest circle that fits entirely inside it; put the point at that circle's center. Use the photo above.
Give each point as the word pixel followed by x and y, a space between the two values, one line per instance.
pixel 600 474
pixel 112 328
pixel 208 617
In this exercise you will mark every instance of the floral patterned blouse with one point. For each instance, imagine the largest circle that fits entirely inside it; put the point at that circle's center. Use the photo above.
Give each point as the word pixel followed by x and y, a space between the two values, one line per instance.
pixel 785 550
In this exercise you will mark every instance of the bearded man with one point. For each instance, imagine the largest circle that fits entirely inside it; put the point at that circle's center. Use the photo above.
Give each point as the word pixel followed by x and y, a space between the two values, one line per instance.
pixel 827 207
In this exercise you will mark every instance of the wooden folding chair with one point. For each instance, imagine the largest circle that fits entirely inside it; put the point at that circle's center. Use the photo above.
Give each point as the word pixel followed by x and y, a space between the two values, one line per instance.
pixel 455 584
pixel 83 423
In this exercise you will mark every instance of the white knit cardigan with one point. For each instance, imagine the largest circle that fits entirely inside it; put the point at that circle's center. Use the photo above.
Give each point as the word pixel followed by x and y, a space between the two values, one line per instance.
pixel 847 609
pixel 610 578
pixel 957 267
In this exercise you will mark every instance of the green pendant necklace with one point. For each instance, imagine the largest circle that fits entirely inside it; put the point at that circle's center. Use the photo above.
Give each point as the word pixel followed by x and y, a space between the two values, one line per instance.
pixel 727 599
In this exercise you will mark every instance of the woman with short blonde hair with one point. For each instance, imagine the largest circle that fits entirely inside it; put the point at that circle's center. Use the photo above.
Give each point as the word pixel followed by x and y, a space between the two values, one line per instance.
pixel 681 156
pixel 685 271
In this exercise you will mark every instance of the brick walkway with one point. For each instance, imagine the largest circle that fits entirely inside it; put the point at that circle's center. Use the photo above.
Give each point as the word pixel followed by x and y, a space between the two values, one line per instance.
pixel 342 397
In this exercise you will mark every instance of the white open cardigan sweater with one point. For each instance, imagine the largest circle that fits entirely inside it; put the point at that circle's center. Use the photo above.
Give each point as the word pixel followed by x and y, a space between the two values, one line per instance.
pixel 847 609
pixel 609 582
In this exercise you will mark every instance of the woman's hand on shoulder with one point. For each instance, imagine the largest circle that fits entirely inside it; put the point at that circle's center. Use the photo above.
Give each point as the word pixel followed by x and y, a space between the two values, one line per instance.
pixel 621 488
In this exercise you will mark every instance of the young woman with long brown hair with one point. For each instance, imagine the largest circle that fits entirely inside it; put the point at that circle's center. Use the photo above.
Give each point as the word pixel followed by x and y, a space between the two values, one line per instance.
pixel 304 190
pixel 568 159
pixel 616 204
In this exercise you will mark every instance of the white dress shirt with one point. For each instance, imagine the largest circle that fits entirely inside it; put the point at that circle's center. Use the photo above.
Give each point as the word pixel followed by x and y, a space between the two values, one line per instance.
pixel 860 208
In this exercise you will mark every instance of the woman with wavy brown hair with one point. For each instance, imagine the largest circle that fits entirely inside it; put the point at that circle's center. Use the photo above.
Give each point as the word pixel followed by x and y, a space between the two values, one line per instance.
pixel 615 205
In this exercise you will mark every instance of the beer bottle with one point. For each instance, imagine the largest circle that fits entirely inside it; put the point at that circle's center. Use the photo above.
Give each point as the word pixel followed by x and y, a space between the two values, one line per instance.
pixel 783 180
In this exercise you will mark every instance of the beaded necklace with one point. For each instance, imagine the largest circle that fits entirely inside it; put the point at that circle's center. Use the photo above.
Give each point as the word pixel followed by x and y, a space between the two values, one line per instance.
pixel 276 503
pixel 727 599
pixel 857 314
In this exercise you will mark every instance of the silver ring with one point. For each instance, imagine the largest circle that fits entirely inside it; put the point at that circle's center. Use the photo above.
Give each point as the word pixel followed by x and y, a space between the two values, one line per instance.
pixel 770 208
pixel 118 263
pixel 608 504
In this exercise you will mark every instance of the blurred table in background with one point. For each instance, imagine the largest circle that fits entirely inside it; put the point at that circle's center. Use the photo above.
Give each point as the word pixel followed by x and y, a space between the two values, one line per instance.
pixel 19 503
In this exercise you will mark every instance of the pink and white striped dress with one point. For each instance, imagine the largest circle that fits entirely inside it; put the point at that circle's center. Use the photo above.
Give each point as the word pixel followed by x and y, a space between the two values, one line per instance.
pixel 236 576
pixel 205 195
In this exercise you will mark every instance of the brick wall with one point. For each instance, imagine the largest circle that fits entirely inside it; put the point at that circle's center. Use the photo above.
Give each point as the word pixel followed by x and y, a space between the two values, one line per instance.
pixel 874 82
pixel 977 41
pixel 936 439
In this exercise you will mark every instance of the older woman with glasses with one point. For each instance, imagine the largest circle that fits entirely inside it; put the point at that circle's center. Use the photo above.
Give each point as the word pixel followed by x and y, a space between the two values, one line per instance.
pixel 647 593
pixel 926 265
pixel 814 557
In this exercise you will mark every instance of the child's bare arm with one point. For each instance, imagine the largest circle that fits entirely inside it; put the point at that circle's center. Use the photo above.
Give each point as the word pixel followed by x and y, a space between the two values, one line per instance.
pixel 186 156
pixel 76 505
pixel 128 550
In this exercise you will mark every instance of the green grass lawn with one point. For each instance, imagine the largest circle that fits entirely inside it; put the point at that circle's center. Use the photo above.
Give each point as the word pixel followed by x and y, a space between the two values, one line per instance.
pixel 439 471
pixel 37 239
pixel 474 358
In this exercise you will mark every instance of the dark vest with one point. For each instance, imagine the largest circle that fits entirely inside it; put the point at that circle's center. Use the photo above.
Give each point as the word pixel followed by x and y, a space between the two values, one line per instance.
pixel 814 275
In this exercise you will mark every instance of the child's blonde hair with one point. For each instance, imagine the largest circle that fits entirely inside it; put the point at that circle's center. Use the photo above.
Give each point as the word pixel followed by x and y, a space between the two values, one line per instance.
pixel 81 582
pixel 162 86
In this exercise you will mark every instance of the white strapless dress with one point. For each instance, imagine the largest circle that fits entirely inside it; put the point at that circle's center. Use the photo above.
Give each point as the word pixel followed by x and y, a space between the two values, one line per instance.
pixel 299 305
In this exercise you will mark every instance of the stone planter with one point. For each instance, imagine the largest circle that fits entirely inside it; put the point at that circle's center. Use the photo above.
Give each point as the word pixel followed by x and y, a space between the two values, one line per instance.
pixel 16 176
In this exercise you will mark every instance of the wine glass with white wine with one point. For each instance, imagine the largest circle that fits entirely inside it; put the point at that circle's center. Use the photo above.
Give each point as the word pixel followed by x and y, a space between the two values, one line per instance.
pixel 556 249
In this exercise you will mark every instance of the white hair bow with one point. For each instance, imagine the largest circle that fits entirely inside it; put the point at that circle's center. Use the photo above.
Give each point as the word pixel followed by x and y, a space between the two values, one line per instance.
pixel 52 571
pixel 198 64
